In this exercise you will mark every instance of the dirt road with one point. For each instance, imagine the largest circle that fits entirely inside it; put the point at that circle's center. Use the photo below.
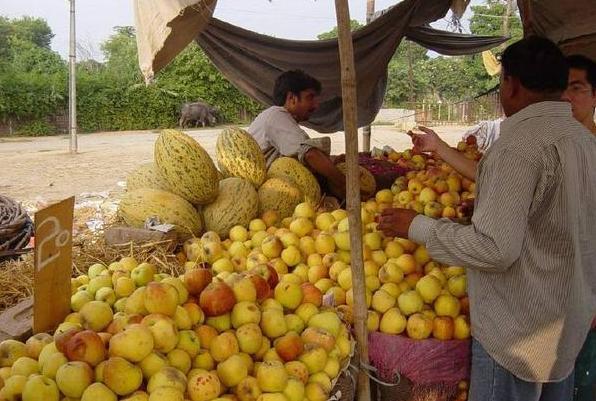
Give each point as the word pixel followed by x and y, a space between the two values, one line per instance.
pixel 42 169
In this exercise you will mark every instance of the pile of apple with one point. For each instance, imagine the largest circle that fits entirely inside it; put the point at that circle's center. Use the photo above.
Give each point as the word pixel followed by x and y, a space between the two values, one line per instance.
pixel 137 335
pixel 406 292
pixel 431 186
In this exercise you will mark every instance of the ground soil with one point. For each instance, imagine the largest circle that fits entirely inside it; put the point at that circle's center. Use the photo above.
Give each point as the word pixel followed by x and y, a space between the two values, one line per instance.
pixel 42 170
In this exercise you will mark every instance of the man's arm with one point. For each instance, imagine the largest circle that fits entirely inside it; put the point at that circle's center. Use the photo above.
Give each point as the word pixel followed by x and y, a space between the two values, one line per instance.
pixel 322 164
pixel 493 241
pixel 430 142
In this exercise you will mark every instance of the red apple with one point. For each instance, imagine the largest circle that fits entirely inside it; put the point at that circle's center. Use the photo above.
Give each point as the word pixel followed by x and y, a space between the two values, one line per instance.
pixel 86 346
pixel 289 347
pixel 62 338
pixel 197 279
pixel 311 294
pixel 217 299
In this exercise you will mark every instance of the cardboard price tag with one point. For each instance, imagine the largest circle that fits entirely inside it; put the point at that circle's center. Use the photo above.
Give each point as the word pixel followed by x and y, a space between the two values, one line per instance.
pixel 53 265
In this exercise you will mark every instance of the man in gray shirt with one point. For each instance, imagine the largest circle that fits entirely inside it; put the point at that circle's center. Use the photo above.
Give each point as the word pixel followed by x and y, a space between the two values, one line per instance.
pixel 531 248
pixel 276 130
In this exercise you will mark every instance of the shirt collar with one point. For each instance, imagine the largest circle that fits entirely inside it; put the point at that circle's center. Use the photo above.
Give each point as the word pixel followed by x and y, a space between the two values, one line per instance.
pixel 540 109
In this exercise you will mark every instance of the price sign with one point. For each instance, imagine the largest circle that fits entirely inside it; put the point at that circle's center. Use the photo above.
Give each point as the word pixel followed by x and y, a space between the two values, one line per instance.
pixel 53 265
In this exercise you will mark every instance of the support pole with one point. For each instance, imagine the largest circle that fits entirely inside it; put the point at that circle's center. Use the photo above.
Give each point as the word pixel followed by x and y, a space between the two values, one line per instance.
pixel 366 130
pixel 348 84
pixel 72 83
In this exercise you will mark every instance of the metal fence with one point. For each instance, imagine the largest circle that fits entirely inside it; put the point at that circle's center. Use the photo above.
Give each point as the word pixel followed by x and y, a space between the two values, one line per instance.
pixel 486 107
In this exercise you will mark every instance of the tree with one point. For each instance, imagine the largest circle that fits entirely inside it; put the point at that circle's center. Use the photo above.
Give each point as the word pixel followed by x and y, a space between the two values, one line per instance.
pixel 34 30
pixel 332 34
pixel 487 19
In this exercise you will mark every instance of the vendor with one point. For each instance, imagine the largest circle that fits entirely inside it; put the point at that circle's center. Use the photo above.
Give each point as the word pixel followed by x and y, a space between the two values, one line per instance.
pixel 276 130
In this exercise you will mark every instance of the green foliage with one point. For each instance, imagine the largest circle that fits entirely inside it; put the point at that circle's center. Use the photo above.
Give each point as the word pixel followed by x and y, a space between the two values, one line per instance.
pixel 487 19
pixel 332 34
pixel 36 128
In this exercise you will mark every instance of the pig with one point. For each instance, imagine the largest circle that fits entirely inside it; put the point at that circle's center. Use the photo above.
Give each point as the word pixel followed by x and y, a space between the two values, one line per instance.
pixel 197 112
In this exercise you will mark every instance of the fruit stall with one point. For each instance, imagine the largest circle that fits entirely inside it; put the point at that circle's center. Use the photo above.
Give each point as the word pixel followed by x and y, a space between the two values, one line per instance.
pixel 252 296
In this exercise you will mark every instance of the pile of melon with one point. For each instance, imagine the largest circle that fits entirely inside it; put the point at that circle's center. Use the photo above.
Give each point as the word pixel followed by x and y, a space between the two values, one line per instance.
pixel 183 186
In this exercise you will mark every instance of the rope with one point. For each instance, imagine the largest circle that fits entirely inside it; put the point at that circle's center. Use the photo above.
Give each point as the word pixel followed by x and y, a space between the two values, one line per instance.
pixel 371 372
pixel 16 226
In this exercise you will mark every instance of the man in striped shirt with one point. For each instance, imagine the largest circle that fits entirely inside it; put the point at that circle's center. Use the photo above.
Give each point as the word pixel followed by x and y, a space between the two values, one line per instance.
pixel 531 248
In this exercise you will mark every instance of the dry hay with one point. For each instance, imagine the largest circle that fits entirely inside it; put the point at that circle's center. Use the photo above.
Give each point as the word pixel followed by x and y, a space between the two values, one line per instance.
pixel 16 276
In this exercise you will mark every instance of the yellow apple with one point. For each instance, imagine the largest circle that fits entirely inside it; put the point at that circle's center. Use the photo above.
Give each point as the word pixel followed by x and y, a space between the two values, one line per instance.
pixel 461 330
pixel 419 326
pixel 152 364
pixel 273 323
pixel 382 301
pixel 390 272
pixel 447 305
pixel 392 322
pixel 73 378
pixel 96 315
pixel 429 288
pixel 39 388
pixel 134 343
pixel 272 376
pixel 232 371
pixel 410 302
pixel 203 385
pixel 457 285
pixel 373 320
pixel 223 346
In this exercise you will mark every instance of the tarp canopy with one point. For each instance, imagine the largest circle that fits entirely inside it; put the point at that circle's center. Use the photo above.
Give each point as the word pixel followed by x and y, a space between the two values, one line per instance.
pixel 252 61
pixel 570 23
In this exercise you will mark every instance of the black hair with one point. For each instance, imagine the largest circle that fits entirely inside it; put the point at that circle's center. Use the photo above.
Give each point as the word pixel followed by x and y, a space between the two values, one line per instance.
pixel 294 81
pixel 579 62
pixel 538 64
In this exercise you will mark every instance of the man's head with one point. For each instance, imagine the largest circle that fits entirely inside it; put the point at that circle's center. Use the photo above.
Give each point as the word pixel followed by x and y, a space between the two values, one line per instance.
pixel 533 70
pixel 581 88
pixel 298 92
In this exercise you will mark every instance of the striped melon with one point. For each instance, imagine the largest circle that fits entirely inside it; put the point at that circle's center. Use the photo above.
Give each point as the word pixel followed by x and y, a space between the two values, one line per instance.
pixel 239 155
pixel 368 183
pixel 236 204
pixel 141 204
pixel 279 195
pixel 146 176
pixel 294 172
pixel 186 167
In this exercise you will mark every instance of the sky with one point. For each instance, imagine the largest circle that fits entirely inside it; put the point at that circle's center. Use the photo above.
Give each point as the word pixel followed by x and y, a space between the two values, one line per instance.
pixel 291 19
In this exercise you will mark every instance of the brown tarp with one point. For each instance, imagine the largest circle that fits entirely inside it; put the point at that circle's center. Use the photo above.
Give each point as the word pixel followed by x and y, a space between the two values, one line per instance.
pixel 252 61
pixel 570 23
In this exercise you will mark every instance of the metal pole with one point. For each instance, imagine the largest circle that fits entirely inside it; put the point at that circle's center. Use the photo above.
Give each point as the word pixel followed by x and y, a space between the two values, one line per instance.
pixel 366 130
pixel 350 118
pixel 72 84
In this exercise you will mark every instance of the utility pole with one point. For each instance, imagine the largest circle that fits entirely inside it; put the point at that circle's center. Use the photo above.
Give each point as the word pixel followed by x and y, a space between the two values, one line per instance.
pixel 72 83
pixel 506 20
pixel 366 130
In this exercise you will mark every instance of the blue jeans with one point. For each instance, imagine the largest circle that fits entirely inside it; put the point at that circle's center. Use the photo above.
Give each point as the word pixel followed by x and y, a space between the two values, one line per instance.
pixel 491 382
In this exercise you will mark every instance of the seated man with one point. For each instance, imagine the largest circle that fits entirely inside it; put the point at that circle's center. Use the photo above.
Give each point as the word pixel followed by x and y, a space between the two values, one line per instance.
pixel 276 130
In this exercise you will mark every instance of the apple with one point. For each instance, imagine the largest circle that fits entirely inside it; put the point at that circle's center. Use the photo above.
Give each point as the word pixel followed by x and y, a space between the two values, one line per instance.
pixel 35 344
pixel 457 285
pixel 318 336
pixel 429 288
pixel 197 279
pixel 217 299
pixel 314 357
pixel 301 226
pixel 262 288
pixel 80 298
pixel 447 305
pixel 135 303
pixel 96 315
pixel 250 338
pixel 25 366
pixel 461 328
pixel 152 364
pixel 406 262
pixel 245 312
pixel 427 195
pixel 382 301
pixel 203 385
pixel 390 272
pixel 221 323
pixel 289 295
pixel 291 255
pixel 40 388
pixel 85 346
pixel 180 360
pixel 272 376
pixel 294 390
pixel 167 377
pixel 410 302
pixel 223 346
pixel 419 326
pixel 99 392
pixel 271 247
pixel 273 323
pixel 189 342
pixel 289 346
pixel 73 378
pixel 443 328
pixel 307 310
pixel 164 332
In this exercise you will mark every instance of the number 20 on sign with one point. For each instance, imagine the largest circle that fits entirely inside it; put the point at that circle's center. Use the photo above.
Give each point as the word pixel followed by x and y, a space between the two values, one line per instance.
pixel 53 265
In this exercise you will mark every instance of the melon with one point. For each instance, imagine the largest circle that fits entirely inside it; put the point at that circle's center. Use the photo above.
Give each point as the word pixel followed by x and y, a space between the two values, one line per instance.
pixel 368 183
pixel 293 171
pixel 239 155
pixel 279 195
pixel 146 176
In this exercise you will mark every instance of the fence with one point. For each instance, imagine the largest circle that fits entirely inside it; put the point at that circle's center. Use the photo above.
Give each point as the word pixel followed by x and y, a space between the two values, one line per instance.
pixel 486 107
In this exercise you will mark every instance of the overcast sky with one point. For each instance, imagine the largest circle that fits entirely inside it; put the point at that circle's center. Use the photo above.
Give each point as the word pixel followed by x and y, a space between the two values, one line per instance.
pixel 292 19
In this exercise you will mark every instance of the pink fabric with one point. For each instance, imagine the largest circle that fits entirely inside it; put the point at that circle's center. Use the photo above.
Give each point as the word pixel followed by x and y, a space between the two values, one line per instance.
pixel 421 361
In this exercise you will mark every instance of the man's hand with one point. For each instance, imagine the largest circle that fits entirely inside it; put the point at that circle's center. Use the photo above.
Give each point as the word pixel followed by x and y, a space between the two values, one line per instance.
pixel 427 142
pixel 396 222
